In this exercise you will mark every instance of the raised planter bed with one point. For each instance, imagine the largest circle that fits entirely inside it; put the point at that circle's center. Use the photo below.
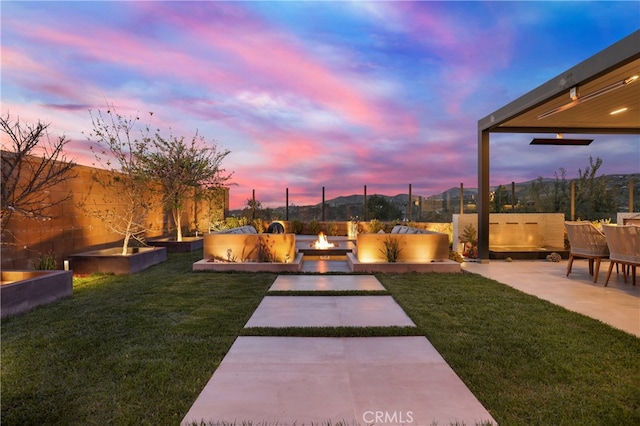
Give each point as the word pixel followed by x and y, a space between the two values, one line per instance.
pixel 188 244
pixel 21 291
pixel 111 261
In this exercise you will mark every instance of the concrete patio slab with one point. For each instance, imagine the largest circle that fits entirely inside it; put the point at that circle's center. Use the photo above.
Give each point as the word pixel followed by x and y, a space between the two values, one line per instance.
pixel 329 311
pixel 359 381
pixel 326 283
pixel 617 305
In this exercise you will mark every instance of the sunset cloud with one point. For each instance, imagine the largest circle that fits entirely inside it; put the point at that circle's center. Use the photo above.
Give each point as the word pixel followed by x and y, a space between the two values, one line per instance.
pixel 312 94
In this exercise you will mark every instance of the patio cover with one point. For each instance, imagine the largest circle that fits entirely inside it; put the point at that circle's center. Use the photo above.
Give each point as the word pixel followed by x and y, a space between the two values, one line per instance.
pixel 578 101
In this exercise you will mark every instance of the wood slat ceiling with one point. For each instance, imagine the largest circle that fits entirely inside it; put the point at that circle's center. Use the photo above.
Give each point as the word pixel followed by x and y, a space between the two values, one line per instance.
pixel 594 113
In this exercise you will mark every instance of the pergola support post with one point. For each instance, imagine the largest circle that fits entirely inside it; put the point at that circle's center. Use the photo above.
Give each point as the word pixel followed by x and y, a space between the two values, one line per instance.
pixel 483 196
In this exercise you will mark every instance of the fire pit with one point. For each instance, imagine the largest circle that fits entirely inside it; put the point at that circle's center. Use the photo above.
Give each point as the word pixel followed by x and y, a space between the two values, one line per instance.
pixel 322 243
pixel 324 249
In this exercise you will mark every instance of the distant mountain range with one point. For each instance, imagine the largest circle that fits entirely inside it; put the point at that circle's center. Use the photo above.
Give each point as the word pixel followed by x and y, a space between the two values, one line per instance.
pixel 450 198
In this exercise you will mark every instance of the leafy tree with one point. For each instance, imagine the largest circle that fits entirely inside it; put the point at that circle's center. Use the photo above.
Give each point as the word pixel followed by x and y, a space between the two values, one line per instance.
pixel 32 165
pixel 593 199
pixel 551 197
pixel 533 199
pixel 379 208
pixel 499 199
pixel 252 209
pixel 560 197
pixel 122 154
pixel 213 198
pixel 183 169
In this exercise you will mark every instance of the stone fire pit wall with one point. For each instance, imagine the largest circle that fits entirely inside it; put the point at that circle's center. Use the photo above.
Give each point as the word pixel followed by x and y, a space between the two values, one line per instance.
pixel 245 247
pixel 417 246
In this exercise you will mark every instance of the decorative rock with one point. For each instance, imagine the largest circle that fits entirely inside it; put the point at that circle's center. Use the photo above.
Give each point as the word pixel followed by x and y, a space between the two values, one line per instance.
pixel 554 257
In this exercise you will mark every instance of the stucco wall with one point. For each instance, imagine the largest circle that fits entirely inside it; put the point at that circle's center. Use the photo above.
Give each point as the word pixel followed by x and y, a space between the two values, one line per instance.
pixel 72 230
pixel 515 229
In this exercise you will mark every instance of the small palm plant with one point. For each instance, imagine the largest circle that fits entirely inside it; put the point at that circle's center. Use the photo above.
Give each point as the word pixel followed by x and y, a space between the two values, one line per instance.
pixel 469 239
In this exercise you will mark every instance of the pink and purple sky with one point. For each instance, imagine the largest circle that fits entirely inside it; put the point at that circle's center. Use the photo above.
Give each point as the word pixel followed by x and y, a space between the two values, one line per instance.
pixel 311 94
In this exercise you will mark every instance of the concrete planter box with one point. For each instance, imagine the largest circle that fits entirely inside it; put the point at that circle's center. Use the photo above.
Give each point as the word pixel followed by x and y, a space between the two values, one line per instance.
pixel 188 244
pixel 22 291
pixel 111 261
pixel 248 247
pixel 414 248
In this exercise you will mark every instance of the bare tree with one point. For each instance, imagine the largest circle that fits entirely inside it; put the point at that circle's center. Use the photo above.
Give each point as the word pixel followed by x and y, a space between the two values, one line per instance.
pixel 32 165
pixel 185 168
pixel 121 153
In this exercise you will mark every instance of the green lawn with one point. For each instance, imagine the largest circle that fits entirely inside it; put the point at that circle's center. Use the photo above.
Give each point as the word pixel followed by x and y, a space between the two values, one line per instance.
pixel 139 349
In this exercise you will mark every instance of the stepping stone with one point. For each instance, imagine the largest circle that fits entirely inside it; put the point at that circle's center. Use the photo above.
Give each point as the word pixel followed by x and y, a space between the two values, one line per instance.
pixel 329 311
pixel 325 266
pixel 326 283
pixel 315 380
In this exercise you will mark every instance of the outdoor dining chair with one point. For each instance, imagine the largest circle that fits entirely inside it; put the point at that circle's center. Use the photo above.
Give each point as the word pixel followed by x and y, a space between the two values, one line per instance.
pixel 587 242
pixel 624 248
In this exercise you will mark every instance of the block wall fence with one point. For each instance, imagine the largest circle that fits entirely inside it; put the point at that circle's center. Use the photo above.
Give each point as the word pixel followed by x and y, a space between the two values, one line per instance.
pixel 72 230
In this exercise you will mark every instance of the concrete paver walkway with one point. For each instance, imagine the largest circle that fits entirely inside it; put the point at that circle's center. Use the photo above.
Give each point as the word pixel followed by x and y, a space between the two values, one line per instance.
pixel 329 311
pixel 315 380
pixel 324 266
pixel 358 381
pixel 326 283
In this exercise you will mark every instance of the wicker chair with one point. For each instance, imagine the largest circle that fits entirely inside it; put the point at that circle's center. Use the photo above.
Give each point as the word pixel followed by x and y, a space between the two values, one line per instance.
pixel 624 245
pixel 586 243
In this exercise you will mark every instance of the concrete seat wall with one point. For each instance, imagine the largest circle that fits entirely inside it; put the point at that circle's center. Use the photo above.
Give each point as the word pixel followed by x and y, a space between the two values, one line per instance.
pixel 246 247
pixel 414 248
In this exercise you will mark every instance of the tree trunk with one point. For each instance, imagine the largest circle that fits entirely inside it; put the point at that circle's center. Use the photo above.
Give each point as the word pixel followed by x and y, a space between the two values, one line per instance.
pixel 125 245
pixel 178 222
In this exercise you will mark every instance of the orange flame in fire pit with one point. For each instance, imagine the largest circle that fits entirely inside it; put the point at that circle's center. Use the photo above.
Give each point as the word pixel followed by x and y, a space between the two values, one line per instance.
pixel 322 242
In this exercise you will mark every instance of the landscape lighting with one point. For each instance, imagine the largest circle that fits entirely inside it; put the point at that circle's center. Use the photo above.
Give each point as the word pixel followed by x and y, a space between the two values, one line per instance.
pixel 618 111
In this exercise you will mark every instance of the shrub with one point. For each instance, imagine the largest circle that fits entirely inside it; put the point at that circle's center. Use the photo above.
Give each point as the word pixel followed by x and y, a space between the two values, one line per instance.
pixel 296 226
pixel 46 262
pixel 313 227
pixel 259 225
pixel 231 222
pixel 375 226
pixel 332 229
